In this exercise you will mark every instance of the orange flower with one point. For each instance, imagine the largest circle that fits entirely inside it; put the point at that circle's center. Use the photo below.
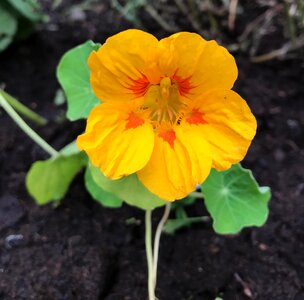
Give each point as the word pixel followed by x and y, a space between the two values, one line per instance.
pixel 168 112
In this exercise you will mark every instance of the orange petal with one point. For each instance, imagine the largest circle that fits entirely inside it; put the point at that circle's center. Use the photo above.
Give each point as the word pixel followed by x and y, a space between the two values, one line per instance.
pixel 215 69
pixel 118 139
pixel 179 54
pixel 229 129
pixel 197 65
pixel 124 66
pixel 180 160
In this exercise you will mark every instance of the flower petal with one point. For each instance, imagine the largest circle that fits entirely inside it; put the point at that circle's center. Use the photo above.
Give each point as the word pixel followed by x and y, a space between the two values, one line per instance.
pixel 124 66
pixel 215 69
pixel 180 160
pixel 118 139
pixel 230 127
pixel 196 64
pixel 179 54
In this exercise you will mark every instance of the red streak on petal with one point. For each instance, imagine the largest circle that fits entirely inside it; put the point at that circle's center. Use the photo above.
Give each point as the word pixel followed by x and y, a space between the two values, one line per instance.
pixel 139 86
pixel 196 118
pixel 134 121
pixel 184 85
pixel 168 136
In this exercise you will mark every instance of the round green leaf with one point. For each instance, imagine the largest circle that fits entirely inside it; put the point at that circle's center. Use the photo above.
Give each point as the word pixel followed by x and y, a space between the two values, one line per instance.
pixel 8 28
pixel 128 188
pixel 50 179
pixel 74 76
pixel 234 200
pixel 104 198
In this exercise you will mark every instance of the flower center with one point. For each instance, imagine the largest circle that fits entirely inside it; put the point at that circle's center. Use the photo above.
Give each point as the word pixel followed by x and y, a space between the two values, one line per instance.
pixel 163 101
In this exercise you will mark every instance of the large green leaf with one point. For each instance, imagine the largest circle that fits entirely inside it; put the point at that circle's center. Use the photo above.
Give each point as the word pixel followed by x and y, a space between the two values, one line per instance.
pixel 234 200
pixel 104 198
pixel 50 179
pixel 8 27
pixel 128 188
pixel 74 76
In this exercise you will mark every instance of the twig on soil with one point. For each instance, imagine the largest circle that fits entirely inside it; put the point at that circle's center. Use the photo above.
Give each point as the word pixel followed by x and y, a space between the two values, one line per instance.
pixel 158 18
pixel 279 53
pixel 232 14
pixel 194 22
pixel 267 15
pixel 244 284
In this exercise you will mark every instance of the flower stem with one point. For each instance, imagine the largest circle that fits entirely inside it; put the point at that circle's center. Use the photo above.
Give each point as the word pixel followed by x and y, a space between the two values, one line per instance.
pixel 157 239
pixel 148 239
pixel 28 130
pixel 22 109
pixel 196 194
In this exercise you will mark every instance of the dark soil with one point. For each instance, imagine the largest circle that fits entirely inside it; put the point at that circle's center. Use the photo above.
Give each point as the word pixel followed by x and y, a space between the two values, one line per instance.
pixel 80 250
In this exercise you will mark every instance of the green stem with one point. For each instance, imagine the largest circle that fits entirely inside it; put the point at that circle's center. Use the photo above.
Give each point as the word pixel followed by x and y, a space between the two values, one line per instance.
pixel 28 130
pixel 22 109
pixel 197 194
pixel 148 240
pixel 158 233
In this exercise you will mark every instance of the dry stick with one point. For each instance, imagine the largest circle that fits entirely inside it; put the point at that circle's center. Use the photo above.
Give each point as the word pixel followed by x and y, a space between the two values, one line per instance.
pixel 157 239
pixel 290 23
pixel 232 14
pixel 159 19
pixel 279 53
pixel 194 22
pixel 268 14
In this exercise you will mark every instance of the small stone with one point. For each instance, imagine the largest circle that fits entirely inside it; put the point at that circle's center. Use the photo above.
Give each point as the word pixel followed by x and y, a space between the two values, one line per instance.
pixel 13 240
pixel 292 124
pixel 248 292
pixel 263 247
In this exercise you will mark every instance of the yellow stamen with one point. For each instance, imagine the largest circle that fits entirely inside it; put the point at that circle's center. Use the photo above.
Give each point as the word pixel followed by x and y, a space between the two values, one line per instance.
pixel 165 85
pixel 163 101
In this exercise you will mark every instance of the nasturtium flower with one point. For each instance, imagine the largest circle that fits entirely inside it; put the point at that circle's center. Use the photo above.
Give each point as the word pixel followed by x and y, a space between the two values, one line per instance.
pixel 168 113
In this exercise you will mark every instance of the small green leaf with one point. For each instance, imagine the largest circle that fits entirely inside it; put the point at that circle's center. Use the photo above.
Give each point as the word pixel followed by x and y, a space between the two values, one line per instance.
pixel 129 189
pixel 172 225
pixel 8 28
pixel 49 180
pixel 74 76
pixel 234 200
pixel 104 198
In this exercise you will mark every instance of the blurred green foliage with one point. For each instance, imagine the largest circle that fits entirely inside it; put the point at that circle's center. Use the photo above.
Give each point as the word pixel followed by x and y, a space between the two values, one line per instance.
pixel 17 20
